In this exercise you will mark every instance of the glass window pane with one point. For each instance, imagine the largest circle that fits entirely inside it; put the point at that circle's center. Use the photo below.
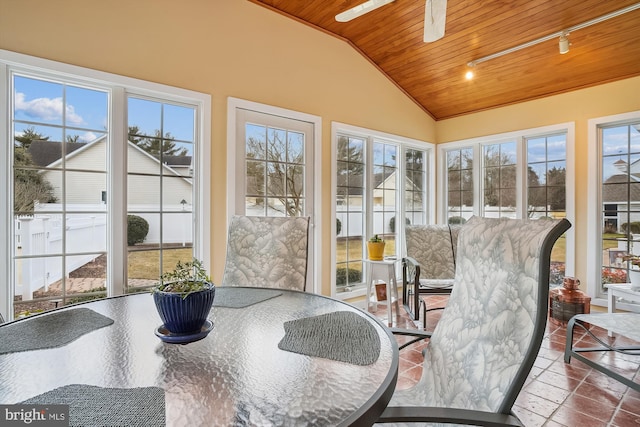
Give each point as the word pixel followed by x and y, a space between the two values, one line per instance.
pixel 276 145
pixel 295 147
pixel 143 193
pixel 144 117
pixel 84 190
pixel 179 122
pixel 86 109
pixel 38 100
pixel 256 142
pixel 85 232
pixel 256 178
pixel 177 194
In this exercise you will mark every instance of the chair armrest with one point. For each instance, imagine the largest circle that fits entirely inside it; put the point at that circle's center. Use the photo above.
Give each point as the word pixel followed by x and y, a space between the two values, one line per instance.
pixel 416 334
pixel 410 414
pixel 411 260
pixel 410 269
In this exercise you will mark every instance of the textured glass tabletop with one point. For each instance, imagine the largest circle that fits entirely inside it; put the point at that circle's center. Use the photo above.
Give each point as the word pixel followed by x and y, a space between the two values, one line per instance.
pixel 235 376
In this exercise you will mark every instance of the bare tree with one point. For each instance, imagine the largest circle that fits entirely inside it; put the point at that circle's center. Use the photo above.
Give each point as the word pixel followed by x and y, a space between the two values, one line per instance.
pixel 275 169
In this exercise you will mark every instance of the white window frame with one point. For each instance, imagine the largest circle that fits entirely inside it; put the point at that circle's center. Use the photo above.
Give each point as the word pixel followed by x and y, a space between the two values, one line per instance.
pixel 519 137
pixel 120 87
pixel 315 226
pixel 338 128
pixel 594 202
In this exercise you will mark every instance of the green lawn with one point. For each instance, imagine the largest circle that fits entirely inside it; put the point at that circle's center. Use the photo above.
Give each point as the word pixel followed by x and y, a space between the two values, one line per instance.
pixel 609 240
pixel 145 264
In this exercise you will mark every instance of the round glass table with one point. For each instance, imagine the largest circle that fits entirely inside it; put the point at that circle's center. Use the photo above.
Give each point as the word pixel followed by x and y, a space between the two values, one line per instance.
pixel 236 375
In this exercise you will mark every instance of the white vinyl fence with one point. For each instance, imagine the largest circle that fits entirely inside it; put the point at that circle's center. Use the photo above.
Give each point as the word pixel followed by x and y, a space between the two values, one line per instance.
pixel 40 238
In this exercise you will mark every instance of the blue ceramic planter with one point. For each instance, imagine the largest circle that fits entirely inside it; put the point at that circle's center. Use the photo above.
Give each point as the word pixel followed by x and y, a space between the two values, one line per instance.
pixel 184 315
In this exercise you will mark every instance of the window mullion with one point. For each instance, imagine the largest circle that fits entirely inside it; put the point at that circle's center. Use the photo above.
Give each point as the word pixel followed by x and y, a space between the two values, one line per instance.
pixel 522 173
pixel 6 218
pixel 117 193
pixel 368 192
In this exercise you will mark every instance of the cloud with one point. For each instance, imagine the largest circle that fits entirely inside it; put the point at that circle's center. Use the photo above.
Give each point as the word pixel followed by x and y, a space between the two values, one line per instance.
pixel 88 137
pixel 46 109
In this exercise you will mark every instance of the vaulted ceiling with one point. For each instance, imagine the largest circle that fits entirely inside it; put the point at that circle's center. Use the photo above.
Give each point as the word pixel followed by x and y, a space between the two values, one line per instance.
pixel 433 74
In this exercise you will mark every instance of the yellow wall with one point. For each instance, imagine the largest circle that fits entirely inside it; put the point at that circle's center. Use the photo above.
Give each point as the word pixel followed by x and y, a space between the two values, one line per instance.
pixel 578 106
pixel 236 48
pixel 223 48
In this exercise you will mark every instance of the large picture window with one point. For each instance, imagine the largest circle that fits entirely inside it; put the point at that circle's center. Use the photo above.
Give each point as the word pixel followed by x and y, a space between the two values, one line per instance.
pixel 381 185
pixel 84 225
pixel 460 197
pixel 619 210
pixel 521 175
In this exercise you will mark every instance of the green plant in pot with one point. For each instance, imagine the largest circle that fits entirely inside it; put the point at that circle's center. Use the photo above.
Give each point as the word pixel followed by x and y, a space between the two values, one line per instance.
pixel 375 248
pixel 183 297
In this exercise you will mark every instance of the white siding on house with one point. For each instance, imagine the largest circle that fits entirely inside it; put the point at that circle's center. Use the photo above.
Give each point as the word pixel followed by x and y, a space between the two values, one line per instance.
pixel 87 187
pixel 145 189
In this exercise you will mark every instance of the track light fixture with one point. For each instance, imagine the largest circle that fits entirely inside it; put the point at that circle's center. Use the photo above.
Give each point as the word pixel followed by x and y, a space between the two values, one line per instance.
pixel 564 40
pixel 564 43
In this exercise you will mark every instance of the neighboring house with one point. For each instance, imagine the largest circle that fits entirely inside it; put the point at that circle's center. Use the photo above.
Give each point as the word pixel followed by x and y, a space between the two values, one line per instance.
pixel 620 199
pixel 384 200
pixel 180 164
pixel 89 188
pixel 84 229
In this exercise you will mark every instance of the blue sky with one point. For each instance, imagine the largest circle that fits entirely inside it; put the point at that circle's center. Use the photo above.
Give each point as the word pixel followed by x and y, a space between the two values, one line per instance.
pixel 39 104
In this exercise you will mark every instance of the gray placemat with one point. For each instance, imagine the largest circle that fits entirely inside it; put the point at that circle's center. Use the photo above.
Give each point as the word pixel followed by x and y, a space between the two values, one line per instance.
pixel 50 330
pixel 242 297
pixel 342 335
pixel 97 406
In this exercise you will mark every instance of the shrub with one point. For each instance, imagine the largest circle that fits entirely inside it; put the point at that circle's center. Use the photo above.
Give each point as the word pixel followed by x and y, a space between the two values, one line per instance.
pixel 102 294
pixel 631 227
pixel 338 226
pixel 457 220
pixel 137 229
pixel 345 276
pixel 392 223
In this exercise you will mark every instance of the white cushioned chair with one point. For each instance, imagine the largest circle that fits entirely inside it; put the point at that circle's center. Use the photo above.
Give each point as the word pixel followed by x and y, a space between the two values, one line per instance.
pixel 268 252
pixel 429 266
pixel 484 345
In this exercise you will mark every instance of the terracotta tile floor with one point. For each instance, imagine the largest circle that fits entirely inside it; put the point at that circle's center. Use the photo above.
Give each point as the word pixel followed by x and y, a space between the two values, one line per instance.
pixel 555 394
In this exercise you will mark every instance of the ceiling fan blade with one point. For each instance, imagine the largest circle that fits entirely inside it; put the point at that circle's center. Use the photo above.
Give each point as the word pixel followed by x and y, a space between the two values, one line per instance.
pixel 361 9
pixel 435 16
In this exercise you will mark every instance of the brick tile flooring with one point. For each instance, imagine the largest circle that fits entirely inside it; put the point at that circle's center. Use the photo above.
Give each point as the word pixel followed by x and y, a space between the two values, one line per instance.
pixel 555 394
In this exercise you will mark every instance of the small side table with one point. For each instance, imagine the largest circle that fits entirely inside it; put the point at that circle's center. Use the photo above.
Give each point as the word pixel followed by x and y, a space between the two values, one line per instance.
pixel 384 271
pixel 619 290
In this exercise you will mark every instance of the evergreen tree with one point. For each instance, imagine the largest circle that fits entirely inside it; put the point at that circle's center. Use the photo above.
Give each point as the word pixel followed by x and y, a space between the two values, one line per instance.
pixel 29 185
pixel 29 135
pixel 157 144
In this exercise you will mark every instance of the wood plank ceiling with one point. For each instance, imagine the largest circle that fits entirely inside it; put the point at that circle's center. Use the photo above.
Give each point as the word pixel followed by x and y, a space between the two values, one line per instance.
pixel 432 74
